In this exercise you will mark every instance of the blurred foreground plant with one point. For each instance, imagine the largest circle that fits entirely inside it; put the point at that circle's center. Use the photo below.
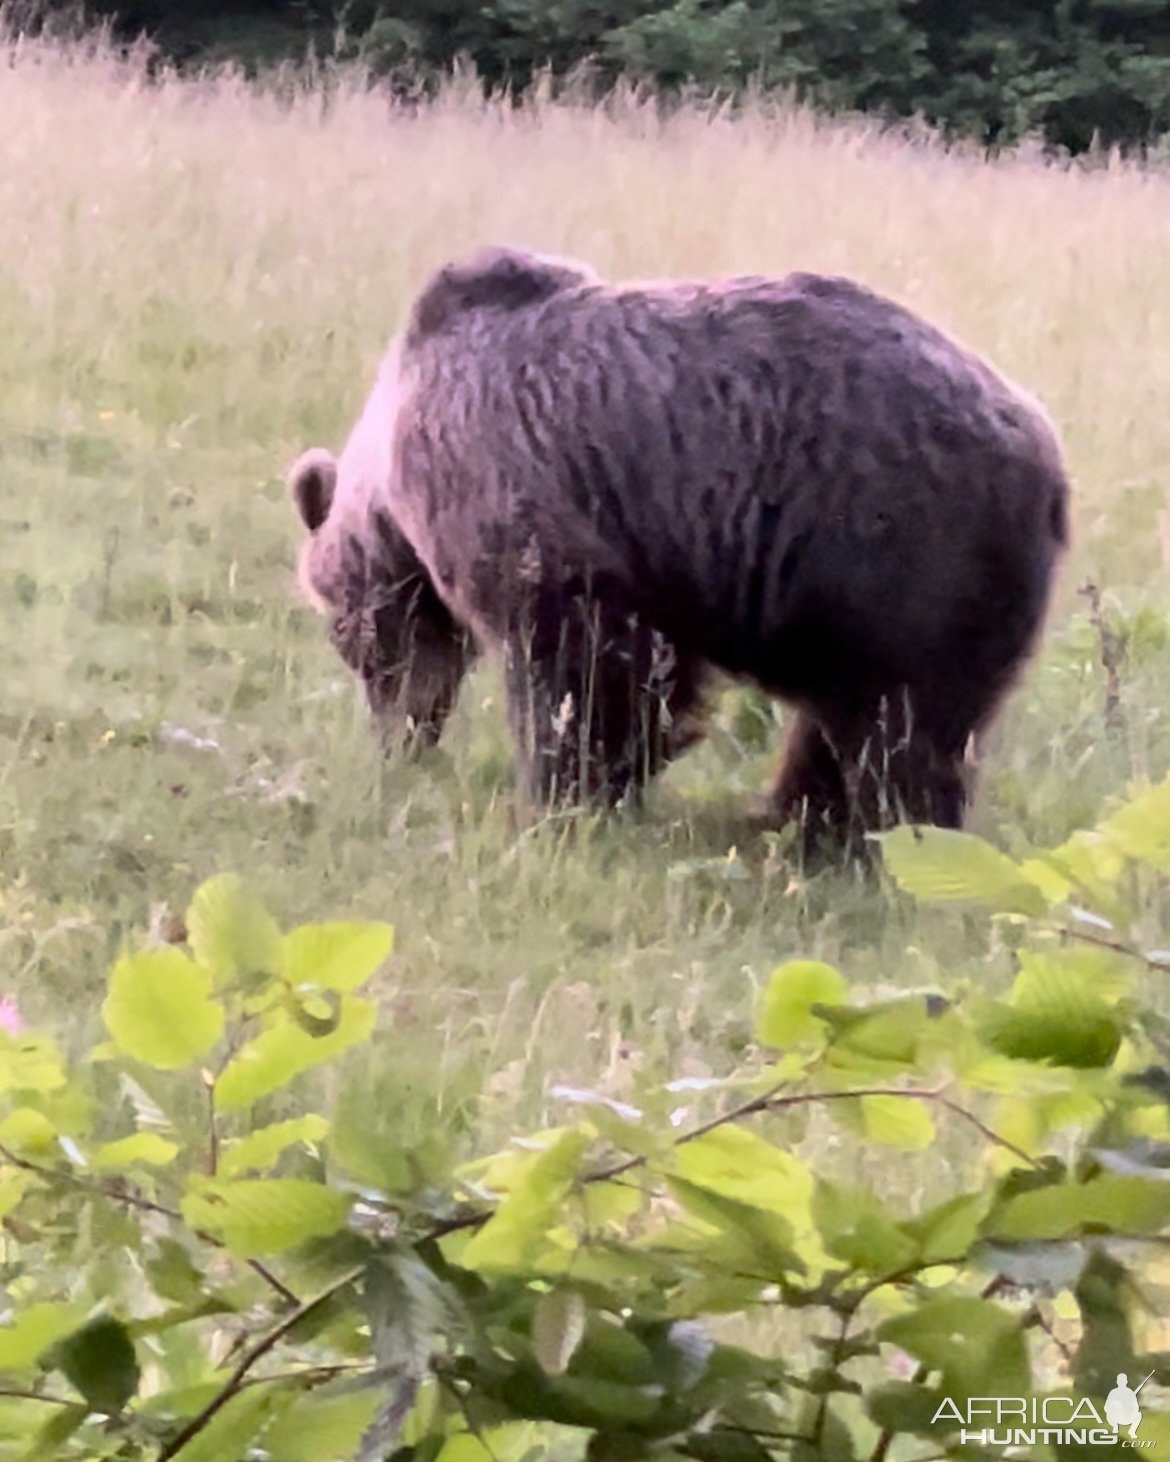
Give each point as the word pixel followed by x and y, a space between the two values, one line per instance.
pixel 197 1265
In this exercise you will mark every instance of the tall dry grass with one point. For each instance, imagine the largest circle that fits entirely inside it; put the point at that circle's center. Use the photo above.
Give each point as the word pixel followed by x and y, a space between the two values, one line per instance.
pixel 282 230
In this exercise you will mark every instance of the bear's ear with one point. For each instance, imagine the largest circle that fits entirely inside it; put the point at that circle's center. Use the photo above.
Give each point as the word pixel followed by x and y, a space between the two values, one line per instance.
pixel 312 482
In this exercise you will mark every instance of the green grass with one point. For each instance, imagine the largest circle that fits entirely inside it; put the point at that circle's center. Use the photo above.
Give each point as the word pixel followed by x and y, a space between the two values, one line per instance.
pixel 196 281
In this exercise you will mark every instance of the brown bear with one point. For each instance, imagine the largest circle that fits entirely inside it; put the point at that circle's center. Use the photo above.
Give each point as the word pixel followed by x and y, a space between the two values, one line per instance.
pixel 624 488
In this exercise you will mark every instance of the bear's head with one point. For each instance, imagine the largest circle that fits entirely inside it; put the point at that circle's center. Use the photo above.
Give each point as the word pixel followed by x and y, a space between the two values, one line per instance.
pixel 386 620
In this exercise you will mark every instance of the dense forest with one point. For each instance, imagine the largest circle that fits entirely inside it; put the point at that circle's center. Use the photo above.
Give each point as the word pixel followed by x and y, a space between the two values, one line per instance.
pixel 1072 71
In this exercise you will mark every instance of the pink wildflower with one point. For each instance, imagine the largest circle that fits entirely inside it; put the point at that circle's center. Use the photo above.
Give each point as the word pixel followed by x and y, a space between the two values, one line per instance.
pixel 10 1021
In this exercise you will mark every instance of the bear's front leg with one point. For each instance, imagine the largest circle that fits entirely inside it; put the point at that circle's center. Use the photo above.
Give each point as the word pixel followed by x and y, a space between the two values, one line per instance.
pixel 597 699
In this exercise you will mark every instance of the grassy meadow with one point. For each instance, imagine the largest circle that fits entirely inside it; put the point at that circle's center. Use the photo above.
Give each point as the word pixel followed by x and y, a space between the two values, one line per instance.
pixel 196 282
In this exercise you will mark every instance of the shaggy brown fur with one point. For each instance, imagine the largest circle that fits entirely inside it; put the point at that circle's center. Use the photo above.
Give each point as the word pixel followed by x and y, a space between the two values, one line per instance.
pixel 793 481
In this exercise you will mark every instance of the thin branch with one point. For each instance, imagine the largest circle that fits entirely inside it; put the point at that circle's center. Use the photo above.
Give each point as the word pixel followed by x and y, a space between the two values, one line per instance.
pixel 1112 649
pixel 131 1199
pixel 838 1360
pixel 212 1126
pixel 763 1434
pixel 984 1130
pixel 898 1275
pixel 15 1393
pixel 920 1094
pixel 627 1165
pixel 461 1401
pixel 311 1375
pixel 749 1108
pixel 251 1357
pixel 1115 946
pixel 770 1101
pixel 1036 1316
pixel 262 1270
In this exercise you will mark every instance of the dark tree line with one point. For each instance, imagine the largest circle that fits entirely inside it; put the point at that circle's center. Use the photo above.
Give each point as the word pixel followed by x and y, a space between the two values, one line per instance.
pixel 1070 70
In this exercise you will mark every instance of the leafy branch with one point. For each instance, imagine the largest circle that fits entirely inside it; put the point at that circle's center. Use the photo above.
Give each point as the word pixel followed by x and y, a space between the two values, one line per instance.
pixel 128 1198
pixel 251 1357
pixel 565 1290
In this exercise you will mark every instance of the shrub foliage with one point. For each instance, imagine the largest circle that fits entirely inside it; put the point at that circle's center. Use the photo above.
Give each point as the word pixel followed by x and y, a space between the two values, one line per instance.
pixel 199 1264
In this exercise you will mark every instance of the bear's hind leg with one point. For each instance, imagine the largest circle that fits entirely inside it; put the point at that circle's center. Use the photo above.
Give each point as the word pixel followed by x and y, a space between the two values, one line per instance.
pixel 866 774
pixel 810 788
pixel 900 767
pixel 913 778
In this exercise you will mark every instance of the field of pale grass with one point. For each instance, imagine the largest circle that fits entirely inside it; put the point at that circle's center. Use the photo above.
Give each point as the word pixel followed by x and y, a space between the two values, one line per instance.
pixel 196 281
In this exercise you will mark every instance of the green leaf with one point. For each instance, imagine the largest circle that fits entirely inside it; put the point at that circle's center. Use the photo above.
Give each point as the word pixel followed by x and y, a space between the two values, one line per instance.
pixel 14 1184
pixel 29 1063
pixel 407 1307
pixel 518 1230
pixel 99 1360
pixel 946 1233
pixel 260 1149
pixel 886 1036
pixel 160 1009
pixel 977 1344
pixel 580 1401
pixel 900 1406
pixel 253 1217
pixel 1025 1035
pixel 466 1447
pixel 229 1435
pixel 284 1051
pixel 1141 829
pixel 500 1172
pixel 889 1121
pixel 786 1016
pixel 318 1012
pixel 318 1427
pixel 1088 867
pixel 1105 1297
pixel 1121 1205
pixel 1101 974
pixel 32 1332
pixel 1055 1013
pixel 338 956
pixel 60 1426
pixel 173 1274
pixel 145 1148
pixel 764 1240
pixel 740 1164
pixel 28 1132
pixel 855 1227
pixel 726 1446
pixel 558 1325
pixel 514 1441
pixel 612 1352
pixel 940 865
pixel 834 1441
pixel 233 935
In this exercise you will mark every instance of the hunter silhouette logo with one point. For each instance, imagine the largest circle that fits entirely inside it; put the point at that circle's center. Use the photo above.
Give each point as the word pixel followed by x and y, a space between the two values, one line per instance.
pixel 1062 1421
pixel 1121 1405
